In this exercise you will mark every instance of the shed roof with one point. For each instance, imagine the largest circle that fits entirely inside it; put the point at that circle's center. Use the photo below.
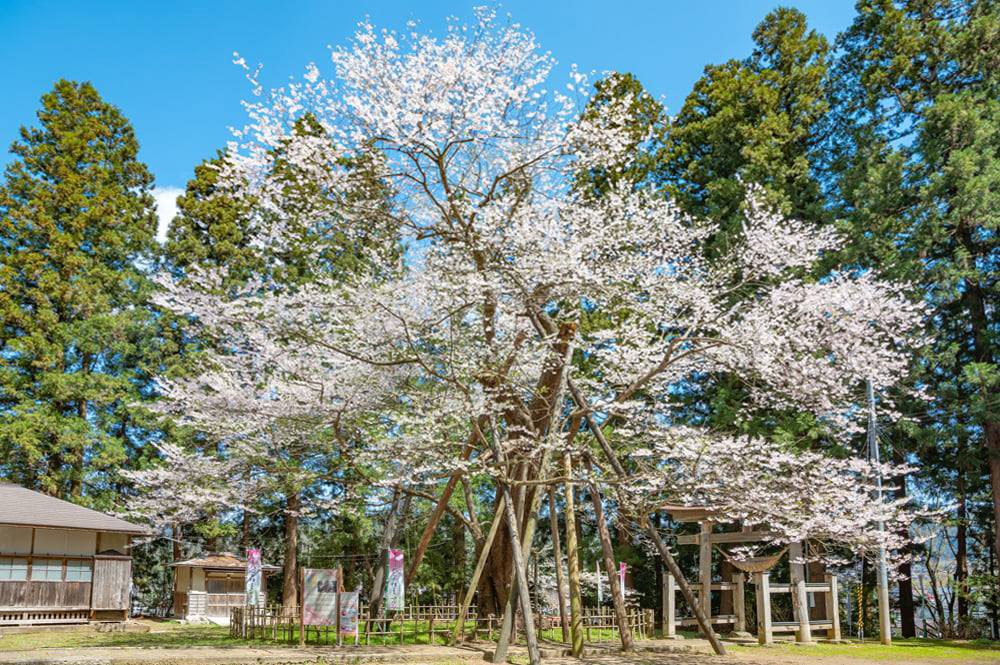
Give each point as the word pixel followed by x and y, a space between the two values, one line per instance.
pixel 219 560
pixel 20 506
pixel 683 513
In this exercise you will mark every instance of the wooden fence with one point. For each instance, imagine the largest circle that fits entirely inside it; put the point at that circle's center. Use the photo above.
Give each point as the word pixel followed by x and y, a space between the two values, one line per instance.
pixel 423 624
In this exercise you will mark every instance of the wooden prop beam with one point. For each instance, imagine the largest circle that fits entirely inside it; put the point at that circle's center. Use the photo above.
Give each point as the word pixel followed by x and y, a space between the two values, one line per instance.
pixel 608 555
pixel 557 555
pixel 727 537
pixel 484 554
pixel 544 324
pixel 435 518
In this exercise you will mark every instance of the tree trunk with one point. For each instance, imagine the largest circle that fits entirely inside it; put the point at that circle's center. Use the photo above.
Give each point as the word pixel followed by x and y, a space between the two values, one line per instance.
pixel 290 572
pixel 177 533
pixel 907 616
pixel 573 562
pixel 993 448
pixel 991 599
pixel 557 556
pixel 975 301
pixel 397 510
pixel 458 558
pixel 245 535
pixel 962 553
pixel 495 582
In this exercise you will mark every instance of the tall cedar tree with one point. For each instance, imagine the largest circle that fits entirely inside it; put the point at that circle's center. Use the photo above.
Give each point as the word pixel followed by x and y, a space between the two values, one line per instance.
pixel 917 165
pixel 77 228
pixel 758 120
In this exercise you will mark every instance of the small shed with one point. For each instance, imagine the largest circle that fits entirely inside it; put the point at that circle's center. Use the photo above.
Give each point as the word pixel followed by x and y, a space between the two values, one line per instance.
pixel 207 586
pixel 60 562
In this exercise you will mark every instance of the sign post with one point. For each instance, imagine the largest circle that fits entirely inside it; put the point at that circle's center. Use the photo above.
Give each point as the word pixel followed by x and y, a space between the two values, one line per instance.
pixel 252 586
pixel 340 590
pixel 395 585
pixel 302 607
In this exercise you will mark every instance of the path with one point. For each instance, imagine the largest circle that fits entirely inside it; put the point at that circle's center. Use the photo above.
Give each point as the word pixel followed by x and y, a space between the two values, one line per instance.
pixel 688 652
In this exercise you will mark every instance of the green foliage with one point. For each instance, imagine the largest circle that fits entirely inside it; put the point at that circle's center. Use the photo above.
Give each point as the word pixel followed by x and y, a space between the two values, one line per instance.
pixel 756 120
pixel 77 227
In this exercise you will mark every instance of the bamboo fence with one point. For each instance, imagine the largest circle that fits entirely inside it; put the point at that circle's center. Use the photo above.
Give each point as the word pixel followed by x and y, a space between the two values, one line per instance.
pixel 423 624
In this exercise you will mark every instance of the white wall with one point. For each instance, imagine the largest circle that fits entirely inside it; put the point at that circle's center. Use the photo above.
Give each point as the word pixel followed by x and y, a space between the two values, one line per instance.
pixel 183 578
pixel 15 539
pixel 114 541
pixel 65 541
pixel 197 579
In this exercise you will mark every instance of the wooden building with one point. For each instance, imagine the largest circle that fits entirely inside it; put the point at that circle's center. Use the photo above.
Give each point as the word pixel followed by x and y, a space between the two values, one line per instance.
pixel 207 586
pixel 60 562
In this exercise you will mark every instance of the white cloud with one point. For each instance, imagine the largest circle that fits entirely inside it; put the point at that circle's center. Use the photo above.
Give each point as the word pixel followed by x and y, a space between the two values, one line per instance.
pixel 166 208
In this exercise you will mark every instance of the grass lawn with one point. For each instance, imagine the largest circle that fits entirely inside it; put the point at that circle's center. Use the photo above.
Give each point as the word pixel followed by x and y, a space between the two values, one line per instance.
pixel 902 650
pixel 162 635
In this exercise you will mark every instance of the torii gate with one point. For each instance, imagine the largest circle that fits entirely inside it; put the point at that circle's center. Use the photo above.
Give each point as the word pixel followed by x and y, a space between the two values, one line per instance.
pixel 803 625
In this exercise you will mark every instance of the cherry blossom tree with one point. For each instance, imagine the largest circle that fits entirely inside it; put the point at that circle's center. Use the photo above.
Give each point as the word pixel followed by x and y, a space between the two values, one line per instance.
pixel 465 354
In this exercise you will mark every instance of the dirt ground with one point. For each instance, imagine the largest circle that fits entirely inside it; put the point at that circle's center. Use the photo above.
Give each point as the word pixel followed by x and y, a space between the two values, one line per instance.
pixel 166 644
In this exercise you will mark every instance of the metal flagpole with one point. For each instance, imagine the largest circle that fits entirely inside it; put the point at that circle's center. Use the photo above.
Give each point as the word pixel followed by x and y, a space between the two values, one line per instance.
pixel 885 626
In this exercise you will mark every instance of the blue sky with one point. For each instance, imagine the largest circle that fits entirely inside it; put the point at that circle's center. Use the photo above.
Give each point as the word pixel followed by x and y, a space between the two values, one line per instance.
pixel 168 65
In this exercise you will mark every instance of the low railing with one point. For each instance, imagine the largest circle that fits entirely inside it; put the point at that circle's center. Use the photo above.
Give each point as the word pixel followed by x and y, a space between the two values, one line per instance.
pixel 35 616
pixel 423 624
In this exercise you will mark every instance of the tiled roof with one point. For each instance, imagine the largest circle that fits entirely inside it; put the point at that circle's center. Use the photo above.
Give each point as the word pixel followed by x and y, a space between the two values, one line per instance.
pixel 20 506
pixel 226 560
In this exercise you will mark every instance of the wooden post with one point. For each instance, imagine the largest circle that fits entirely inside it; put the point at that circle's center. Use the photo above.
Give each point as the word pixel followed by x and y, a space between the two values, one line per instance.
pixel 703 623
pixel 614 583
pixel 762 581
pixel 521 579
pixel 557 555
pixel 302 607
pixel 833 608
pixel 705 569
pixel 739 604
pixel 669 606
pixel 477 573
pixel 573 561
pixel 800 598
pixel 340 590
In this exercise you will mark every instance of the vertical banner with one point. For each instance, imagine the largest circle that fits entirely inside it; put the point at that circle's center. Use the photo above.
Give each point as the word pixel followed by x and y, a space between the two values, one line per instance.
pixel 394 581
pixel 621 578
pixel 319 597
pixel 349 602
pixel 252 587
pixel 600 592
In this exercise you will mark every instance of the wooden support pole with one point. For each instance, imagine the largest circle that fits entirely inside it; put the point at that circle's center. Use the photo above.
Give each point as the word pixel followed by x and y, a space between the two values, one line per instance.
pixel 557 555
pixel 530 513
pixel 573 561
pixel 674 569
pixel 544 324
pixel 521 579
pixel 739 604
pixel 614 583
pixel 800 598
pixel 762 582
pixel 302 607
pixel 340 590
pixel 484 554
pixel 669 606
pixel 435 518
pixel 833 608
pixel 705 569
